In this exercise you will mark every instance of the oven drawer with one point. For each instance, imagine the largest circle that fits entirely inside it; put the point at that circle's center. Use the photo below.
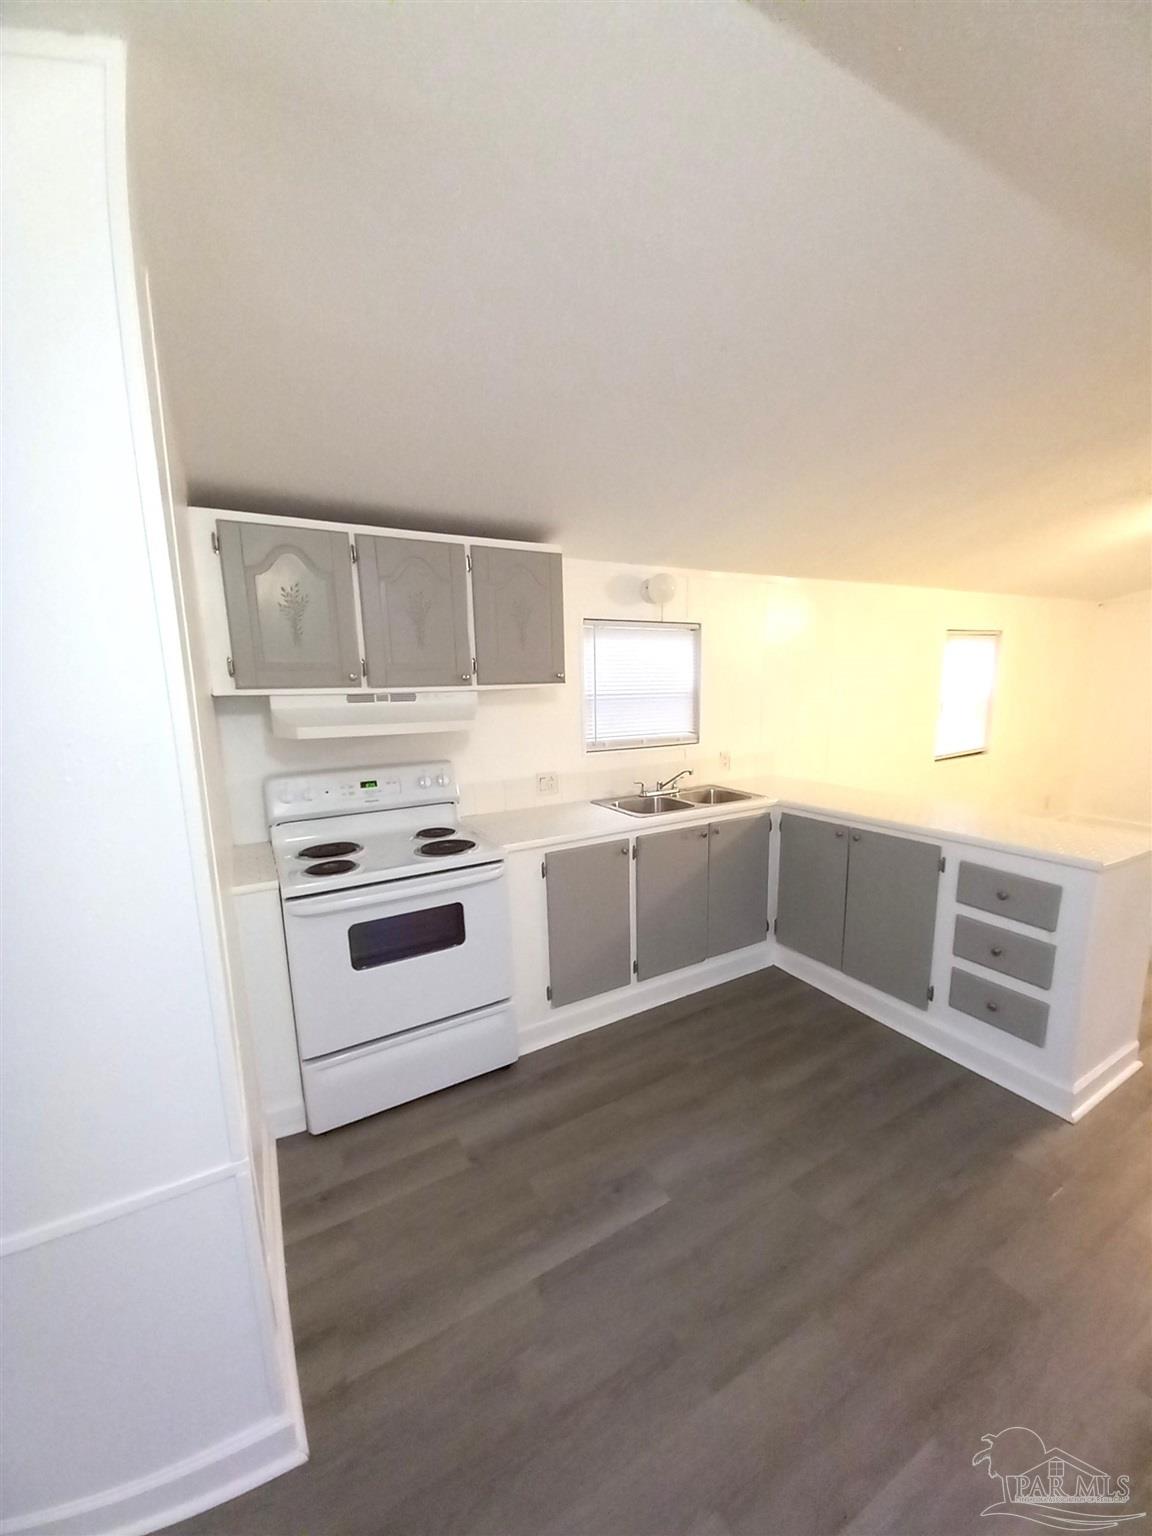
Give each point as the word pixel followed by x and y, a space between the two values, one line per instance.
pixel 1003 1008
pixel 1016 955
pixel 377 960
pixel 1036 902
pixel 373 1077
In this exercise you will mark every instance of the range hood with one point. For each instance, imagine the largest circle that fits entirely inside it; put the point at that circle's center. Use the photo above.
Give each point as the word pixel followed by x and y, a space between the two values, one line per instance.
pixel 312 716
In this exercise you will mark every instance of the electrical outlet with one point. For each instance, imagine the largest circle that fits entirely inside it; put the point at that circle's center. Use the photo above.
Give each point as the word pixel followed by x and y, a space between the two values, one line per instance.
pixel 546 784
pixel 725 760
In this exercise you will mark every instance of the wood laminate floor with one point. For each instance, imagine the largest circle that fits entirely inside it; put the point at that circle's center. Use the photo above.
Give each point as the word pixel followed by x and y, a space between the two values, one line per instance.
pixel 746 1265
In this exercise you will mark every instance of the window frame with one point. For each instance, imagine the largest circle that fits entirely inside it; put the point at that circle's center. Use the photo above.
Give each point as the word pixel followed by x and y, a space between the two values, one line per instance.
pixel 668 742
pixel 987 634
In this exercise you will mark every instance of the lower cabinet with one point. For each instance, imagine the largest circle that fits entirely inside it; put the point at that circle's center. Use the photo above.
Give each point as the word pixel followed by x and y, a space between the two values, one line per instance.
pixel 589 927
pixel 700 892
pixel 863 902
pixel 671 900
pixel 890 913
pixel 738 853
pixel 813 887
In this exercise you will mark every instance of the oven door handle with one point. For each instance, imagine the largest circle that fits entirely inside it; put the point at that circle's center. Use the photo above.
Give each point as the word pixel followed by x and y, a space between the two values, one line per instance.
pixel 391 892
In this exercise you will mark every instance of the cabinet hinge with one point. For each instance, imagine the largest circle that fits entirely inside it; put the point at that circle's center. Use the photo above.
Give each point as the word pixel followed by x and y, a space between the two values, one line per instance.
pixel 468 562
pixel 473 666
pixel 363 666
pixel 636 850
pixel 769 821
pixel 635 967
pixel 355 556
pixel 931 994
pixel 943 862
pixel 231 665
pixel 548 993
pixel 215 542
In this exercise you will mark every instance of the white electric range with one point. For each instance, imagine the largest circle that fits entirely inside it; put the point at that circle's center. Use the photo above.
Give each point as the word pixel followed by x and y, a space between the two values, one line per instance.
pixel 397 929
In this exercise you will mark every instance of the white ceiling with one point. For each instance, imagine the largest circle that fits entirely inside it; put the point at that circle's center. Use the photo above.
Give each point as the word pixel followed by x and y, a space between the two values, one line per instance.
pixel 830 289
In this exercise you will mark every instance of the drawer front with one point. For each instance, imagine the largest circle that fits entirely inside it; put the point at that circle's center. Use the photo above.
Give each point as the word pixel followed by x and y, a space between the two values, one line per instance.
pixel 1027 959
pixel 1027 901
pixel 1024 1017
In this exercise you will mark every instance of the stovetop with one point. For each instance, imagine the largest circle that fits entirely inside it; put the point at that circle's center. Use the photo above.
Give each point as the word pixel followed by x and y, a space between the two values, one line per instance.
pixel 338 852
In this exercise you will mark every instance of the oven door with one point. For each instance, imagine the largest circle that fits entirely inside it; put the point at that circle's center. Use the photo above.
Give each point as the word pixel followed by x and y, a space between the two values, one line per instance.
pixel 379 959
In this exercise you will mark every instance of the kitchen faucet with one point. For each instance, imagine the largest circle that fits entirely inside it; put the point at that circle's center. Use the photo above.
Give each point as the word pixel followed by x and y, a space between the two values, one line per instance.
pixel 673 781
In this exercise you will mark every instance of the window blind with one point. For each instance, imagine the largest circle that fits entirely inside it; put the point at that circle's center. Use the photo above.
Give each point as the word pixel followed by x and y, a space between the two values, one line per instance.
pixel 967 679
pixel 641 684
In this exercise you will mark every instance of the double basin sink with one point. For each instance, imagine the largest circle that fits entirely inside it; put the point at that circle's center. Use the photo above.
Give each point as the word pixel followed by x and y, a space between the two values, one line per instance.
pixel 682 800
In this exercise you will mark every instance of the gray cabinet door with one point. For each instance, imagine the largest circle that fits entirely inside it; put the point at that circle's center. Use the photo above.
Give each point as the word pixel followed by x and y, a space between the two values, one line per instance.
pixel 518 601
pixel 589 933
pixel 813 887
pixel 291 605
pixel 671 900
pixel 738 883
pixel 890 917
pixel 414 597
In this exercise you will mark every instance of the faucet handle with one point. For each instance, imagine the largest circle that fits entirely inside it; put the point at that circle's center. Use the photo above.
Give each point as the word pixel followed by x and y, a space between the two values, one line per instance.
pixel 641 786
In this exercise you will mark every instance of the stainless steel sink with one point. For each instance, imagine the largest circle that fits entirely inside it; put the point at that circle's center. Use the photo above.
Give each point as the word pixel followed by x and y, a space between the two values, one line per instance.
pixel 646 805
pixel 714 794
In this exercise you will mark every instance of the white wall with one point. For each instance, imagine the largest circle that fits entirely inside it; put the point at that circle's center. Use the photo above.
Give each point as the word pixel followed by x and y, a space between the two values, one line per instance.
pixel 143 1376
pixel 1114 776
pixel 826 680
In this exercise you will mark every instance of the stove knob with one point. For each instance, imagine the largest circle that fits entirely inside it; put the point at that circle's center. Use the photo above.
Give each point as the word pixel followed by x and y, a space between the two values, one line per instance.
pixel 442 778
pixel 424 782
pixel 306 794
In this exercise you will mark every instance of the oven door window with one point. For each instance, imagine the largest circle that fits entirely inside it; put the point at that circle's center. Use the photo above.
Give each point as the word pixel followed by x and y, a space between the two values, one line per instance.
pixel 387 939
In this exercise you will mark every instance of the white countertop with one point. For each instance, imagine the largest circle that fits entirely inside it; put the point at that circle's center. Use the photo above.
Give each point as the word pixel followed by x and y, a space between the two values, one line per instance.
pixel 1087 844
pixel 1060 840
pixel 253 868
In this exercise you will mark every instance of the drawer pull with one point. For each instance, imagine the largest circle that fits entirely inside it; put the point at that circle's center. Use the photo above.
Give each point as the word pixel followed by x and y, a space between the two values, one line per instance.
pixel 992 1007
pixel 1002 895
pixel 996 950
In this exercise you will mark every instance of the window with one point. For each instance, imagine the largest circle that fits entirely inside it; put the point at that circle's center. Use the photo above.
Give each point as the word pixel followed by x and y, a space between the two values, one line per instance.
pixel 966 684
pixel 641 684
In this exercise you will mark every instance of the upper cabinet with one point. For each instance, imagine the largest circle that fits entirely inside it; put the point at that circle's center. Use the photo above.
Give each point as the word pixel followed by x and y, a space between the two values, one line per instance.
pixel 414 598
pixel 291 605
pixel 518 605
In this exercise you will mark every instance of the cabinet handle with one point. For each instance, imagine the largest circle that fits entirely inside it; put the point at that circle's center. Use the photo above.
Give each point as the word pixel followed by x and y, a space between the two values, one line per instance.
pixel 992 1007
pixel 1002 895
pixel 353 677
pixel 839 834
pixel 465 677
pixel 624 850
pixel 997 950
pixel 559 677
pixel 715 831
pixel 855 837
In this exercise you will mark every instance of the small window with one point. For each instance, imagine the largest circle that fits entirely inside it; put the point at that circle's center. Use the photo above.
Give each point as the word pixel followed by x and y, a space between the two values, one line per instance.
pixel 641 684
pixel 966 685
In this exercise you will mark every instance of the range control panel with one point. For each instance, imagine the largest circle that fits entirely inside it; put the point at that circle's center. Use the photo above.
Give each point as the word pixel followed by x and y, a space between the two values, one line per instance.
pixel 300 795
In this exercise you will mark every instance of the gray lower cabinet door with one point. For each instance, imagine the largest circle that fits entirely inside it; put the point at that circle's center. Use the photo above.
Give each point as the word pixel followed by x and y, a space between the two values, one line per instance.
pixel 813 887
pixel 671 900
pixel 291 605
pixel 890 915
pixel 414 597
pixel 518 603
pixel 589 929
pixel 738 850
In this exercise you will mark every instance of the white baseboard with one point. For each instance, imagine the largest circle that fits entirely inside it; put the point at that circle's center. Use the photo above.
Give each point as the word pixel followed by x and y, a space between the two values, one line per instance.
pixel 1029 1083
pixel 1102 1080
pixel 222 1472
pixel 579 1018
